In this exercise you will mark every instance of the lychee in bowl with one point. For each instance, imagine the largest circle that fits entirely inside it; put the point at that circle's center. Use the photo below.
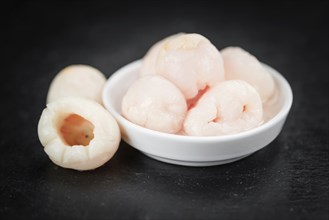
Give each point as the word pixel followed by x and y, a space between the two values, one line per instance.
pixel 191 150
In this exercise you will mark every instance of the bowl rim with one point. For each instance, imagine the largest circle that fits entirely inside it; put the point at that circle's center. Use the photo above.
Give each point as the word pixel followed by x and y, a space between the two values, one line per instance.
pixel 282 113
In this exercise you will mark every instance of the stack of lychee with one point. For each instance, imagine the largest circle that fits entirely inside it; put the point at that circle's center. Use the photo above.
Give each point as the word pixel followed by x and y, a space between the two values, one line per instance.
pixel 76 131
pixel 186 87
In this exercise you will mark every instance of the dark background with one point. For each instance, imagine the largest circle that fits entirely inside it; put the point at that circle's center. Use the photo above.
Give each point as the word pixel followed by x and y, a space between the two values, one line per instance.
pixel 286 180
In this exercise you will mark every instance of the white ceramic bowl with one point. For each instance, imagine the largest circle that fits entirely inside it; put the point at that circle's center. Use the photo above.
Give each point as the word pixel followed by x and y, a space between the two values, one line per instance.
pixel 187 150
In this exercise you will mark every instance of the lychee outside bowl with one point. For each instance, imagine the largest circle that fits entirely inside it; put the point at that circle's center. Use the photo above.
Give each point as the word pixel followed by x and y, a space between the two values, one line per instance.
pixel 188 150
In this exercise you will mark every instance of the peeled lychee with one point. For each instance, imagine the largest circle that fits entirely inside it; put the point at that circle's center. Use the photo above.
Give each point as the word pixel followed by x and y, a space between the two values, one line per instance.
pixel 77 81
pixel 239 64
pixel 155 103
pixel 190 61
pixel 150 58
pixel 230 107
pixel 78 133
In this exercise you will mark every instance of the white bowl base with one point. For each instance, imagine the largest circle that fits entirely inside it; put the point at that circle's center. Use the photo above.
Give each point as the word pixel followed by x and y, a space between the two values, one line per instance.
pixel 194 163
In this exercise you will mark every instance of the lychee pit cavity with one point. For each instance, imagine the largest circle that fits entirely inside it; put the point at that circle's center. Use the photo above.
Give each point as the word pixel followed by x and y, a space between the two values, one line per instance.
pixel 76 130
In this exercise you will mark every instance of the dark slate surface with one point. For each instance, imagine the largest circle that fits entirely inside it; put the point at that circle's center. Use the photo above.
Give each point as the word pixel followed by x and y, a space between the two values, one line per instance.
pixel 286 180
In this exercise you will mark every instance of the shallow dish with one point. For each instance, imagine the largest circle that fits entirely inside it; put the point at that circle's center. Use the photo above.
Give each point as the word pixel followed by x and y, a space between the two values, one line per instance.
pixel 187 150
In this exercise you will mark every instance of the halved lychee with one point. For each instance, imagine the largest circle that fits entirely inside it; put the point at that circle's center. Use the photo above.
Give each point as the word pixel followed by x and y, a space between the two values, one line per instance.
pixel 78 133
pixel 77 81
